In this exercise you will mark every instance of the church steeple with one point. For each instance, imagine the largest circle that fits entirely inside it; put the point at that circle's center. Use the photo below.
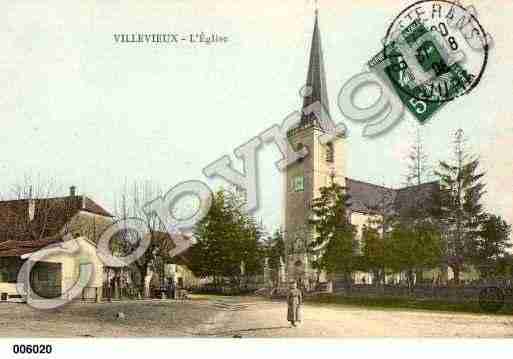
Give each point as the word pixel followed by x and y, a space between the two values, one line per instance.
pixel 304 180
pixel 316 77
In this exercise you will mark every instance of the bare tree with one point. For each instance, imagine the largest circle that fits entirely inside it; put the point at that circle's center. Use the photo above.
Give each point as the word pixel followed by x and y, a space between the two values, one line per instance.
pixel 419 170
pixel 31 207
pixel 130 204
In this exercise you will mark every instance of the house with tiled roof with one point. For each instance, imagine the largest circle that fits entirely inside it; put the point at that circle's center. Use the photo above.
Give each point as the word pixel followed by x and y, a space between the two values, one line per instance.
pixel 37 218
pixel 29 225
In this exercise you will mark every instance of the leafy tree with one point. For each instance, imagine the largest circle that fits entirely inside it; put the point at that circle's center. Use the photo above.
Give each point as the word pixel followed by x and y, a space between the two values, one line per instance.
pixel 461 212
pixel 372 257
pixel 334 245
pixel 504 266
pixel 227 241
pixel 413 248
pixel 380 223
pixel 491 244
pixel 252 251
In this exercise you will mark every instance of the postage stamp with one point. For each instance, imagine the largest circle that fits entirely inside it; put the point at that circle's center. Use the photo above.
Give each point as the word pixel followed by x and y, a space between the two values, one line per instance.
pixel 386 69
pixel 434 51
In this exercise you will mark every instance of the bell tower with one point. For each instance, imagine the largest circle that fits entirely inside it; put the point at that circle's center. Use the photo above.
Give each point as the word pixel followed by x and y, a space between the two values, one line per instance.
pixel 303 179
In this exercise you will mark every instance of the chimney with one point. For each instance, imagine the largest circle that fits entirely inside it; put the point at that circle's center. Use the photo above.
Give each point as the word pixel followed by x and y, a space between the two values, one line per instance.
pixel 72 191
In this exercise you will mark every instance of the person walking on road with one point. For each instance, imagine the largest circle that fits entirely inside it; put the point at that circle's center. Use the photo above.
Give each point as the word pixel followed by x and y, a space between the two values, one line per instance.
pixel 294 303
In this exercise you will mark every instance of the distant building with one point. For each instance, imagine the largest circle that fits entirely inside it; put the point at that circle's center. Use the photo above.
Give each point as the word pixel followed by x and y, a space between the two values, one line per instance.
pixel 172 269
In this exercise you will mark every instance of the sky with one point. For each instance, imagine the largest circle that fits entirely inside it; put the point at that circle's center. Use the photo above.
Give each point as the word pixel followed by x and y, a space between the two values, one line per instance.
pixel 80 108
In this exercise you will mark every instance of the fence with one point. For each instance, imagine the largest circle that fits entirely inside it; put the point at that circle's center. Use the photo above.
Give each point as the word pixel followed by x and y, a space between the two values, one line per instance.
pixel 444 293
pixel 226 289
pixel 111 293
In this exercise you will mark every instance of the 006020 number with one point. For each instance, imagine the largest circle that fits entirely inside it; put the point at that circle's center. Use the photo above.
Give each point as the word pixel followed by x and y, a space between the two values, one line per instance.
pixel 32 349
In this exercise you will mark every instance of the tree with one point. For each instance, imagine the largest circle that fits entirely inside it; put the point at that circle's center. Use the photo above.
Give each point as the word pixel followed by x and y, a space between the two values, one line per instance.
pixel 228 242
pixel 413 248
pixel 42 193
pixel 418 162
pixel 334 245
pixel 460 209
pixel 418 172
pixel 373 253
pixel 504 266
pixel 491 244
pixel 381 221
pixel 126 241
pixel 275 251
pixel 251 244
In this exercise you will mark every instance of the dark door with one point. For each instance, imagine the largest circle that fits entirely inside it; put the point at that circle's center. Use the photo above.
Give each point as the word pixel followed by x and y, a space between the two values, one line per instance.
pixel 46 279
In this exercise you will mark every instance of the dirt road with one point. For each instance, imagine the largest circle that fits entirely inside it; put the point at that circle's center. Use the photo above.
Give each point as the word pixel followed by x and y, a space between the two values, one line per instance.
pixel 249 318
pixel 240 317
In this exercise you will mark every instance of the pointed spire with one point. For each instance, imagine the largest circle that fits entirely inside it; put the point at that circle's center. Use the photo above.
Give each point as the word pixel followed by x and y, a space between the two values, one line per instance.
pixel 316 77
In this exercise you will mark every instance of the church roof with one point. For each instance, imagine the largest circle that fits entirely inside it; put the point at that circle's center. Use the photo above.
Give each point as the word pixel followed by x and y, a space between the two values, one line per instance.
pixel 316 79
pixel 422 195
pixel 368 198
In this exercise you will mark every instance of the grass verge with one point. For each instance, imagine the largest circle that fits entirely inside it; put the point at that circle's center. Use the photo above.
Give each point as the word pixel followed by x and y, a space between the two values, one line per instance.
pixel 402 303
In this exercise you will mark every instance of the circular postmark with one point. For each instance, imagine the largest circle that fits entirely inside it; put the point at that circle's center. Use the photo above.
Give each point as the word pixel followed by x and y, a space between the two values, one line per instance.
pixel 436 51
pixel 491 299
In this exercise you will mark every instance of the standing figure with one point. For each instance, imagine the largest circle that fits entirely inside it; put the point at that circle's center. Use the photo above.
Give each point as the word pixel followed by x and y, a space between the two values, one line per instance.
pixel 171 288
pixel 294 302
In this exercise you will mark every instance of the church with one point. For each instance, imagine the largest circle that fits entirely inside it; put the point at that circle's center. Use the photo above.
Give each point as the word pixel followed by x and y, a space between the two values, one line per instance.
pixel 326 163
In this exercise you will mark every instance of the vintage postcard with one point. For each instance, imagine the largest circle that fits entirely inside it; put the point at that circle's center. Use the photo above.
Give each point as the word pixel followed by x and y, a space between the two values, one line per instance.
pixel 240 169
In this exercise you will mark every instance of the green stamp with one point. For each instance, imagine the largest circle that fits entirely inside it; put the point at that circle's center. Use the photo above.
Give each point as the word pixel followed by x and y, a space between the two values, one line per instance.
pixel 440 82
pixel 422 110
